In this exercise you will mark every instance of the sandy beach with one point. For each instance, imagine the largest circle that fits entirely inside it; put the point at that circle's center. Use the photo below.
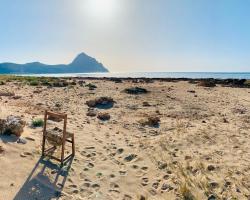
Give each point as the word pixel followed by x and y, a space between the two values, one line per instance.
pixel 200 148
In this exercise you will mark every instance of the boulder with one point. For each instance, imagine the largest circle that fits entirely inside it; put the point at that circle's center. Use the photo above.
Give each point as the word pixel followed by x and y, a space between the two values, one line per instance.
pixel 103 116
pixel 101 102
pixel 12 125
pixel 7 94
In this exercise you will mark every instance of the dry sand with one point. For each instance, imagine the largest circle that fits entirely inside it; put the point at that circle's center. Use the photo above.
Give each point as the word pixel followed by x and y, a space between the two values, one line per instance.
pixel 200 150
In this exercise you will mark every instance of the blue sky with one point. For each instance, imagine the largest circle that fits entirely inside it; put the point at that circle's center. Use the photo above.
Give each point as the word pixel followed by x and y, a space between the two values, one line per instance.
pixel 129 35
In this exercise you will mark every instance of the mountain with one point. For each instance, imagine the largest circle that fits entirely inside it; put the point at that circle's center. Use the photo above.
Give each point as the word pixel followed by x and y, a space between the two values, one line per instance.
pixel 81 64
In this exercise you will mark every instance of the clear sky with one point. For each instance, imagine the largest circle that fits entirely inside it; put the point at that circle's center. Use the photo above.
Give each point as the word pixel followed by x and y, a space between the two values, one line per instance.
pixel 129 35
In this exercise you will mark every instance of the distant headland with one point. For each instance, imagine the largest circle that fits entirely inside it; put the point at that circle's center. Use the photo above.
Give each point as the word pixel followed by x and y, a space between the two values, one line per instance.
pixel 81 64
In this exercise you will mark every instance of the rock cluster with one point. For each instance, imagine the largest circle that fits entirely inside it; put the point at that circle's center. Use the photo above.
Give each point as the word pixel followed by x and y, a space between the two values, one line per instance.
pixel 12 125
pixel 151 121
pixel 102 102
pixel 207 83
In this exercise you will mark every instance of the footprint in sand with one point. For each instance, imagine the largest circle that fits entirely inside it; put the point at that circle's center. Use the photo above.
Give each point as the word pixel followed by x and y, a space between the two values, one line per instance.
pixel 120 151
pixel 127 197
pixel 135 167
pixel 112 176
pixel 86 184
pixel 114 188
pixel 155 185
pixel 90 165
pixel 152 192
pixel 73 189
pixel 95 186
pixel 144 168
pixel 166 187
pixel 90 147
pixel 72 186
pixel 25 154
pixel 166 177
pixel 123 173
pixel 145 181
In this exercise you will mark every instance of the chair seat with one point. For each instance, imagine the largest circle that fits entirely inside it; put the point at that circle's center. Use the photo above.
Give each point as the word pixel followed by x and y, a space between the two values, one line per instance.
pixel 55 136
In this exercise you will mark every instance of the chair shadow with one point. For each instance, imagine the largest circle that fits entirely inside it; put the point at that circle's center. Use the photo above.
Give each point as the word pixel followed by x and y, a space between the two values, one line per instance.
pixel 39 186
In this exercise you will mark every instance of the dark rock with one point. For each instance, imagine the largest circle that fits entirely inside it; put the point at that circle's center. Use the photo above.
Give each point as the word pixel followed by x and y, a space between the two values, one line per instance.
pixel 136 90
pixel 162 165
pixel 146 104
pixel 210 168
pixel 130 157
pixel 91 113
pixel 103 116
pixel 207 83
pixel 101 102
pixel 116 80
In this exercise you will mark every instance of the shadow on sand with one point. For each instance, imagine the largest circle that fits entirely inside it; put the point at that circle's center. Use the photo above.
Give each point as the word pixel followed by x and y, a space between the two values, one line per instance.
pixel 45 182
pixel 8 138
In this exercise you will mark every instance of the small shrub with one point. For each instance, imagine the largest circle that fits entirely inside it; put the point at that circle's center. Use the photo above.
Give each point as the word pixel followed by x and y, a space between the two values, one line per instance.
pixel 186 193
pixel 247 83
pixel 34 83
pixel 37 123
pixel 91 86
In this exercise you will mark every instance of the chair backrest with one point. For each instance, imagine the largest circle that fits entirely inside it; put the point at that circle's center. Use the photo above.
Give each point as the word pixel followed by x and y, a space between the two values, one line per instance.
pixel 56 115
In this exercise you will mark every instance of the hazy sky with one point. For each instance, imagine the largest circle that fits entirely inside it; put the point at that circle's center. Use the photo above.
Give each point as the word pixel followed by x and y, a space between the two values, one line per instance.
pixel 129 35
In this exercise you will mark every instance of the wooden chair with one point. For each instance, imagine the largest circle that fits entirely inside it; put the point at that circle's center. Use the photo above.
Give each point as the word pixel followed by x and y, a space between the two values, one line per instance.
pixel 64 138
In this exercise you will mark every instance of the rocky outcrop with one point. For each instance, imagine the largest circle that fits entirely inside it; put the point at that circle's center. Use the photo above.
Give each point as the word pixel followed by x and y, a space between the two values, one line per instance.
pixel 101 102
pixel 12 125
pixel 207 83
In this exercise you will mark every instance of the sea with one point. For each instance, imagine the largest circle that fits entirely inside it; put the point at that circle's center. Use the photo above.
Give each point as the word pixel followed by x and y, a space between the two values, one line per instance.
pixel 217 75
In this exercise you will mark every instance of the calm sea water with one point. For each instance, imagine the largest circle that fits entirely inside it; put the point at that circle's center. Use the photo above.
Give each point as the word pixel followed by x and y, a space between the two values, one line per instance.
pixel 218 75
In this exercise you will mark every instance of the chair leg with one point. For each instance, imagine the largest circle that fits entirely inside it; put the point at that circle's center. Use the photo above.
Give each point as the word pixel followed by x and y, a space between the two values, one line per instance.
pixel 43 146
pixel 73 145
pixel 62 155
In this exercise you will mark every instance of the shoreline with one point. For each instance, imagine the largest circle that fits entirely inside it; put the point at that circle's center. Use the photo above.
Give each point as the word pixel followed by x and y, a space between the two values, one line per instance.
pixel 227 82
